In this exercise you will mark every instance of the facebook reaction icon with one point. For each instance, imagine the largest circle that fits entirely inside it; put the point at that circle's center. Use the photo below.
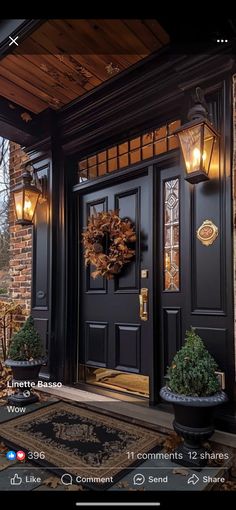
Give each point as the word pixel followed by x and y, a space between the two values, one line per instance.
pixel 11 455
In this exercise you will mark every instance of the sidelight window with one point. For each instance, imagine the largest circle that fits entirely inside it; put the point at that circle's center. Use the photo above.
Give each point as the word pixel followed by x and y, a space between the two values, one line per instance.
pixel 171 235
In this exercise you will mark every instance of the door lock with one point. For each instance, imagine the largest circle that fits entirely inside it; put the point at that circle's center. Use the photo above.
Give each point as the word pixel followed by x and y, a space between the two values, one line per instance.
pixel 143 304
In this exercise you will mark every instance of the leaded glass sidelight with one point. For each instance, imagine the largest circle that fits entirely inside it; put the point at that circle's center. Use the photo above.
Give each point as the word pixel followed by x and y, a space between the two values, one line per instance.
pixel 171 235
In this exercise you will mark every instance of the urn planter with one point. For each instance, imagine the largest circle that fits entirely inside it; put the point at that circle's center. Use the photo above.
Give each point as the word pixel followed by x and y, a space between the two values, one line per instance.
pixel 25 358
pixel 194 422
pixel 24 373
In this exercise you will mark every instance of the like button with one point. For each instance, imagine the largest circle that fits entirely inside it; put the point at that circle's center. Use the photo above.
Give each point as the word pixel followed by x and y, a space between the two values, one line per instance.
pixel 16 480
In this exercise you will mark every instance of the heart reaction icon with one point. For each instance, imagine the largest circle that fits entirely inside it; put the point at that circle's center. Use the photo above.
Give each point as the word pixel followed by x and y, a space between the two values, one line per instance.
pixel 20 455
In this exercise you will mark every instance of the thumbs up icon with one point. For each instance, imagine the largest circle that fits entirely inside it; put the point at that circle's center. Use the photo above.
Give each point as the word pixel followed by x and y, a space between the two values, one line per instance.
pixel 16 480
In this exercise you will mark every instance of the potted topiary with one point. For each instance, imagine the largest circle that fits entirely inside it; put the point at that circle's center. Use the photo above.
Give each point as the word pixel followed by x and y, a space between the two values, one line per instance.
pixel 194 390
pixel 25 359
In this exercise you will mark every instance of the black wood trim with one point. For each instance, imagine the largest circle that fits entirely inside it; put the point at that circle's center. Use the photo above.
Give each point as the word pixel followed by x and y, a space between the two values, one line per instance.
pixel 67 272
pixel 34 135
pixel 153 379
pixel 44 259
pixel 172 335
pixel 155 88
pixel 42 163
pixel 12 126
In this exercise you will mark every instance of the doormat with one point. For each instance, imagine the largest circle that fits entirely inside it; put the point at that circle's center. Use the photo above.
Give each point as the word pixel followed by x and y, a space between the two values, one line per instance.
pixel 81 442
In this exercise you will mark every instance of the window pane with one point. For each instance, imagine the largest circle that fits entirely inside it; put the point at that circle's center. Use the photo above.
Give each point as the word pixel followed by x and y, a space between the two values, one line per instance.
pixel 135 143
pixel 83 164
pixel 172 142
pixel 102 168
pixel 147 138
pixel 135 156
pixel 147 151
pixel 102 156
pixel 160 146
pixel 160 133
pixel 83 176
pixel 123 160
pixel 171 235
pixel 92 172
pixel 92 161
pixel 123 148
pixel 167 237
pixel 112 153
pixel 112 165
pixel 173 126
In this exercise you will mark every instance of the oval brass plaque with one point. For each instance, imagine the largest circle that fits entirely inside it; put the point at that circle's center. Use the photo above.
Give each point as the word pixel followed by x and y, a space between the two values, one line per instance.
pixel 207 232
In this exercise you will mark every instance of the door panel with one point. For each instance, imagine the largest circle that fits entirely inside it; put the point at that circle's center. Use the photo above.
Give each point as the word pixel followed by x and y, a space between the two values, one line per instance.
pixel 128 359
pixel 128 203
pixel 99 284
pixel 96 344
pixel 111 332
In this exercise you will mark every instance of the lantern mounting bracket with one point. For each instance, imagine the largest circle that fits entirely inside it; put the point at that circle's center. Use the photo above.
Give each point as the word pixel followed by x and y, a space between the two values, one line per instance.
pixel 39 182
pixel 200 110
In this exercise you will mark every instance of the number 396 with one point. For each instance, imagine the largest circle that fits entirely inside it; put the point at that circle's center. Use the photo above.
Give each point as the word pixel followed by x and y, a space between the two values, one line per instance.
pixel 36 455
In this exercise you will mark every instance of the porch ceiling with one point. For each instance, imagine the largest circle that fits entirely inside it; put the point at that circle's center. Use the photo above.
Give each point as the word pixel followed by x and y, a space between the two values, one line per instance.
pixel 63 59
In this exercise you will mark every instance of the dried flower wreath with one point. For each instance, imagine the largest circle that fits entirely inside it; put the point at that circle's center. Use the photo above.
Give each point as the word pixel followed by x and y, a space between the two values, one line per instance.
pixel 107 232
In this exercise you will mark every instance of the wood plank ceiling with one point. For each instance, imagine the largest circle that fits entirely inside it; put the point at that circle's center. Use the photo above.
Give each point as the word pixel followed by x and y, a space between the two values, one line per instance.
pixel 64 59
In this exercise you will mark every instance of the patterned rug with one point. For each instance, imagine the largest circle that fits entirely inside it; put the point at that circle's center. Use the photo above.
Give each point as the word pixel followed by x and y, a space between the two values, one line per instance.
pixel 80 441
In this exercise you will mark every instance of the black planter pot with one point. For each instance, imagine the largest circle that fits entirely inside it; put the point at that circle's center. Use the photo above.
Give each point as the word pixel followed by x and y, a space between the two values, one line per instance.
pixel 194 421
pixel 24 372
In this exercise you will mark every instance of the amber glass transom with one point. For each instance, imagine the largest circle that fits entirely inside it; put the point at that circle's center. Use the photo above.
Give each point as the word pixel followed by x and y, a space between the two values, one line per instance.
pixel 140 148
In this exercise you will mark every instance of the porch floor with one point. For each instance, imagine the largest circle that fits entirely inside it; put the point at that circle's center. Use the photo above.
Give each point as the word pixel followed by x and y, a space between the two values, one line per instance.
pixel 151 417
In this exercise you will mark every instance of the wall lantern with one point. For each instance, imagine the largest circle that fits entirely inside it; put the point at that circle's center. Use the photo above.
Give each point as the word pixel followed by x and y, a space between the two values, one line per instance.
pixel 26 196
pixel 197 139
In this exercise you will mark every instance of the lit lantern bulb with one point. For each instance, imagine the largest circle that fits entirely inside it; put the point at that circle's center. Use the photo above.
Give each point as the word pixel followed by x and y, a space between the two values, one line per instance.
pixel 197 157
pixel 18 209
pixel 28 208
pixel 28 205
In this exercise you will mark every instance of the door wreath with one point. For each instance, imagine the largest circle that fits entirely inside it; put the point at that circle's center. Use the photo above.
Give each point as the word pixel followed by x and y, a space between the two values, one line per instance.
pixel 106 243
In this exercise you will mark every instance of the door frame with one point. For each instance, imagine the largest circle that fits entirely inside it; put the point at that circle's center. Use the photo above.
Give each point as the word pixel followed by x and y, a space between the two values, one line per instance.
pixel 152 168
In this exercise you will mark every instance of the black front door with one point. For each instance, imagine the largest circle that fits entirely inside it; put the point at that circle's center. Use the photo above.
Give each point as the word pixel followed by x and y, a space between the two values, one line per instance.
pixel 112 334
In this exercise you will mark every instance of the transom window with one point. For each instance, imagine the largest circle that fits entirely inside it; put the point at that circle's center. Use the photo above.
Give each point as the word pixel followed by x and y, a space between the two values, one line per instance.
pixel 127 153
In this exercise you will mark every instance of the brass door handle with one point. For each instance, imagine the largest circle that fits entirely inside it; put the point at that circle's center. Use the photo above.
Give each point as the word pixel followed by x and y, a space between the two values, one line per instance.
pixel 143 304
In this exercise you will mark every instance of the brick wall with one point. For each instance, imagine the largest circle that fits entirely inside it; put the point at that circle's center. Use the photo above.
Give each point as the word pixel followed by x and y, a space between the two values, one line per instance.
pixel 20 242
